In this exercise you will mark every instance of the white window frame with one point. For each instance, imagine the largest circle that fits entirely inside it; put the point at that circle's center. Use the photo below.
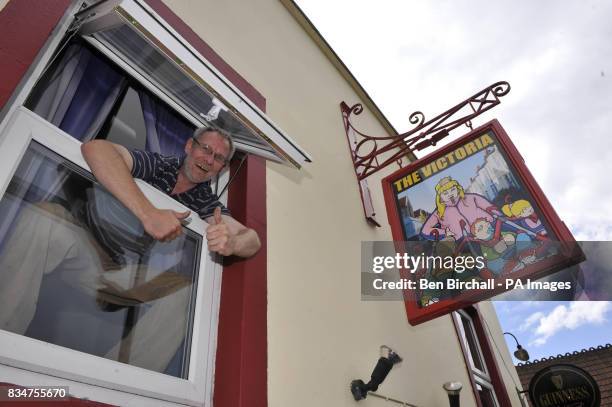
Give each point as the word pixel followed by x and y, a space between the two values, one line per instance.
pixel 481 377
pixel 109 14
pixel 483 383
pixel 25 353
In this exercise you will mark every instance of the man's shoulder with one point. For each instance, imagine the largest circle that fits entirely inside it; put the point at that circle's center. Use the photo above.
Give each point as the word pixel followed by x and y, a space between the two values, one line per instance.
pixel 157 158
pixel 173 160
pixel 154 155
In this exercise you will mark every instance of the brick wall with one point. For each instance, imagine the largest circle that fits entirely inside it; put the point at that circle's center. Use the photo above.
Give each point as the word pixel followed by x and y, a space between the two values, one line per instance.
pixel 596 361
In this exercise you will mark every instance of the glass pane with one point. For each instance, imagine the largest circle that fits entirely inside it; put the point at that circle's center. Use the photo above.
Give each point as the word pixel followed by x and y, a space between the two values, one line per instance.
pixel 148 60
pixel 487 398
pixel 472 341
pixel 77 270
pixel 127 126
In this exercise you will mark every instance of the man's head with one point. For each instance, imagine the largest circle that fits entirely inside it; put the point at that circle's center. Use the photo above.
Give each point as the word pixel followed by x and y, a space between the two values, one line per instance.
pixel 208 151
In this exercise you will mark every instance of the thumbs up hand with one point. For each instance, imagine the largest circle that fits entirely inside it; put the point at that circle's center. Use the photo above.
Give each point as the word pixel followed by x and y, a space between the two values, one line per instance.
pixel 217 216
pixel 219 236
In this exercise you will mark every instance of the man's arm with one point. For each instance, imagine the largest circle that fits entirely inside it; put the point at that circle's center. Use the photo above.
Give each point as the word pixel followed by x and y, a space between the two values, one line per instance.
pixel 112 164
pixel 227 236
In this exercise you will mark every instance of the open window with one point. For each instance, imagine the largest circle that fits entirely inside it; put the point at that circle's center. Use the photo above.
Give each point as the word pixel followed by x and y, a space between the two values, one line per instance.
pixel 130 34
pixel 126 313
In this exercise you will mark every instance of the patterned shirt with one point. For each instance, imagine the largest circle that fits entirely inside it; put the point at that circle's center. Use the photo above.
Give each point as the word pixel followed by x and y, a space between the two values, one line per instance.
pixel 162 173
pixel 118 230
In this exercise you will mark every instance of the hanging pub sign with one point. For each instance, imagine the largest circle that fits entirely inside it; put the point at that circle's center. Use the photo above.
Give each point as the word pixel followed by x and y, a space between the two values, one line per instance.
pixel 473 223
pixel 564 385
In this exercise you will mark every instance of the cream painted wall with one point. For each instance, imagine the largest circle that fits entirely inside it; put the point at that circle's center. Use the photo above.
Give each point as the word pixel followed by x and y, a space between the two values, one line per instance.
pixel 503 357
pixel 3 3
pixel 320 335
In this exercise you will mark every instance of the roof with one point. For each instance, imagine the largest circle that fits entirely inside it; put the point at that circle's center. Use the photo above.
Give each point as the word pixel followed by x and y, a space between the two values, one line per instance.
pixel 324 46
pixel 595 360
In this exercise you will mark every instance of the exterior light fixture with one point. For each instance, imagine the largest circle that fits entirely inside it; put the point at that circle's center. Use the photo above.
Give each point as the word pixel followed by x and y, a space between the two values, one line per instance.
pixel 520 353
pixel 387 359
pixel 453 389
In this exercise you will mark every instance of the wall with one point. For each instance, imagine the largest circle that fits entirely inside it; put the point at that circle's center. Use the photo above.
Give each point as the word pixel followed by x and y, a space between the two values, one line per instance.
pixel 320 335
pixel 19 42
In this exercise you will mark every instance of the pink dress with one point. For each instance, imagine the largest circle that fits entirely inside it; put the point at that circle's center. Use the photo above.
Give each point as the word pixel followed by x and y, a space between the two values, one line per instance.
pixel 468 209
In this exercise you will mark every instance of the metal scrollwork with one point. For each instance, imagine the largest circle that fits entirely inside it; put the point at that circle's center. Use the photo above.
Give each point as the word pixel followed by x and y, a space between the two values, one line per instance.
pixel 417 118
pixel 371 154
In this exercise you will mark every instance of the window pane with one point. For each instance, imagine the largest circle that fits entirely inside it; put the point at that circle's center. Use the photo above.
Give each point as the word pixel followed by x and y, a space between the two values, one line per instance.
pixel 77 270
pixel 472 341
pixel 487 398
pixel 156 65
pixel 127 126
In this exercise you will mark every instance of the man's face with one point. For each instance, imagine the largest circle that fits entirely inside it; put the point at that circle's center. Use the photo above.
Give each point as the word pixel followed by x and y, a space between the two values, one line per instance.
pixel 450 196
pixel 200 164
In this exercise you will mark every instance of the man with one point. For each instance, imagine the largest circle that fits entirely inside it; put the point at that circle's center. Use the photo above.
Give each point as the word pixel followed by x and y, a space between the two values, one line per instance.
pixel 207 153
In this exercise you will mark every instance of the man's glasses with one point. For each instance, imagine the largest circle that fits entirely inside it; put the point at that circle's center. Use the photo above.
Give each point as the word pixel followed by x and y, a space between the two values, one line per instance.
pixel 219 158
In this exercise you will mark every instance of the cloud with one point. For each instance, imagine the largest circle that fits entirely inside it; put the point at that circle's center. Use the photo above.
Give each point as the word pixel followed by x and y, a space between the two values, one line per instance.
pixel 430 55
pixel 532 319
pixel 568 318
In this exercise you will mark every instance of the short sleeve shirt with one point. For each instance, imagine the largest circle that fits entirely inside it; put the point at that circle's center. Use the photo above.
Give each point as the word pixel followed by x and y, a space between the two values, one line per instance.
pixel 162 172
pixel 117 229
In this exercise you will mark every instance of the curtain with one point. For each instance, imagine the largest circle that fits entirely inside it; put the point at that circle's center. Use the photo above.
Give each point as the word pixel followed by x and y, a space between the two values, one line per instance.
pixel 167 133
pixel 76 95
pixel 79 95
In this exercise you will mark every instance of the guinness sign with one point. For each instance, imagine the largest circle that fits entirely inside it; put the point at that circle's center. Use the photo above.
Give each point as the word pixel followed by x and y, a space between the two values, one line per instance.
pixel 563 385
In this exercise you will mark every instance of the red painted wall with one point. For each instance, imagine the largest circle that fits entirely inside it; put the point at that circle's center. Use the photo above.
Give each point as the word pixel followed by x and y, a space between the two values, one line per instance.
pixel 241 375
pixel 26 25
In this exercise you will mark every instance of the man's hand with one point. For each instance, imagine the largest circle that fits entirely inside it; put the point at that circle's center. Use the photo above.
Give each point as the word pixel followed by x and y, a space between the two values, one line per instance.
pixel 164 224
pixel 220 238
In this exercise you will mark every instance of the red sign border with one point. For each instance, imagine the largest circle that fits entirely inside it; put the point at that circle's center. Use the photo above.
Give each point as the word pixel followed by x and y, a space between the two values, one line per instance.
pixel 417 315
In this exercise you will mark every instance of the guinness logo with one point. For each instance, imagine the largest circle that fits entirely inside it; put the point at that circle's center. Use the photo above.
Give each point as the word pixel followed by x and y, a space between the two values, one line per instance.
pixel 557 380
pixel 564 385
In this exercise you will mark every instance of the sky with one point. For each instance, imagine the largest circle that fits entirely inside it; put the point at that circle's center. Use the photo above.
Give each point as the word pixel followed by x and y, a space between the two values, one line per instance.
pixel 429 55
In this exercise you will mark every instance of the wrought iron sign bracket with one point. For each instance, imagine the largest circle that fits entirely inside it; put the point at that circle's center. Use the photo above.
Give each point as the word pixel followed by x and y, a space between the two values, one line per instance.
pixel 371 154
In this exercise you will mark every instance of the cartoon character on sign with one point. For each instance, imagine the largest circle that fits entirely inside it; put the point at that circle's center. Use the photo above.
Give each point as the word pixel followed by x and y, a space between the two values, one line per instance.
pixel 455 209
pixel 499 248
pixel 522 213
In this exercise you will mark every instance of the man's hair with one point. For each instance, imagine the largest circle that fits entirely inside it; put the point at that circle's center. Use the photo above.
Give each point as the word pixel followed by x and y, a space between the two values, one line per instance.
pixel 201 130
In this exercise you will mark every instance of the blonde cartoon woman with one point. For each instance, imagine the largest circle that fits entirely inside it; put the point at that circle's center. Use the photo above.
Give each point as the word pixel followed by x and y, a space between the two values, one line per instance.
pixel 521 212
pixel 455 211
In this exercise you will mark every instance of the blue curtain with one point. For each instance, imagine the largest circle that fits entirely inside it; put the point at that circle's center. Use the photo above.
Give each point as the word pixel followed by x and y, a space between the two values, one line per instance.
pixel 80 94
pixel 167 133
pixel 77 97
pixel 97 92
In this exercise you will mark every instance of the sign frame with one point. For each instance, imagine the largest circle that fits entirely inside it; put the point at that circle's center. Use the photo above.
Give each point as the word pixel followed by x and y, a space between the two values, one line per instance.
pixel 414 173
